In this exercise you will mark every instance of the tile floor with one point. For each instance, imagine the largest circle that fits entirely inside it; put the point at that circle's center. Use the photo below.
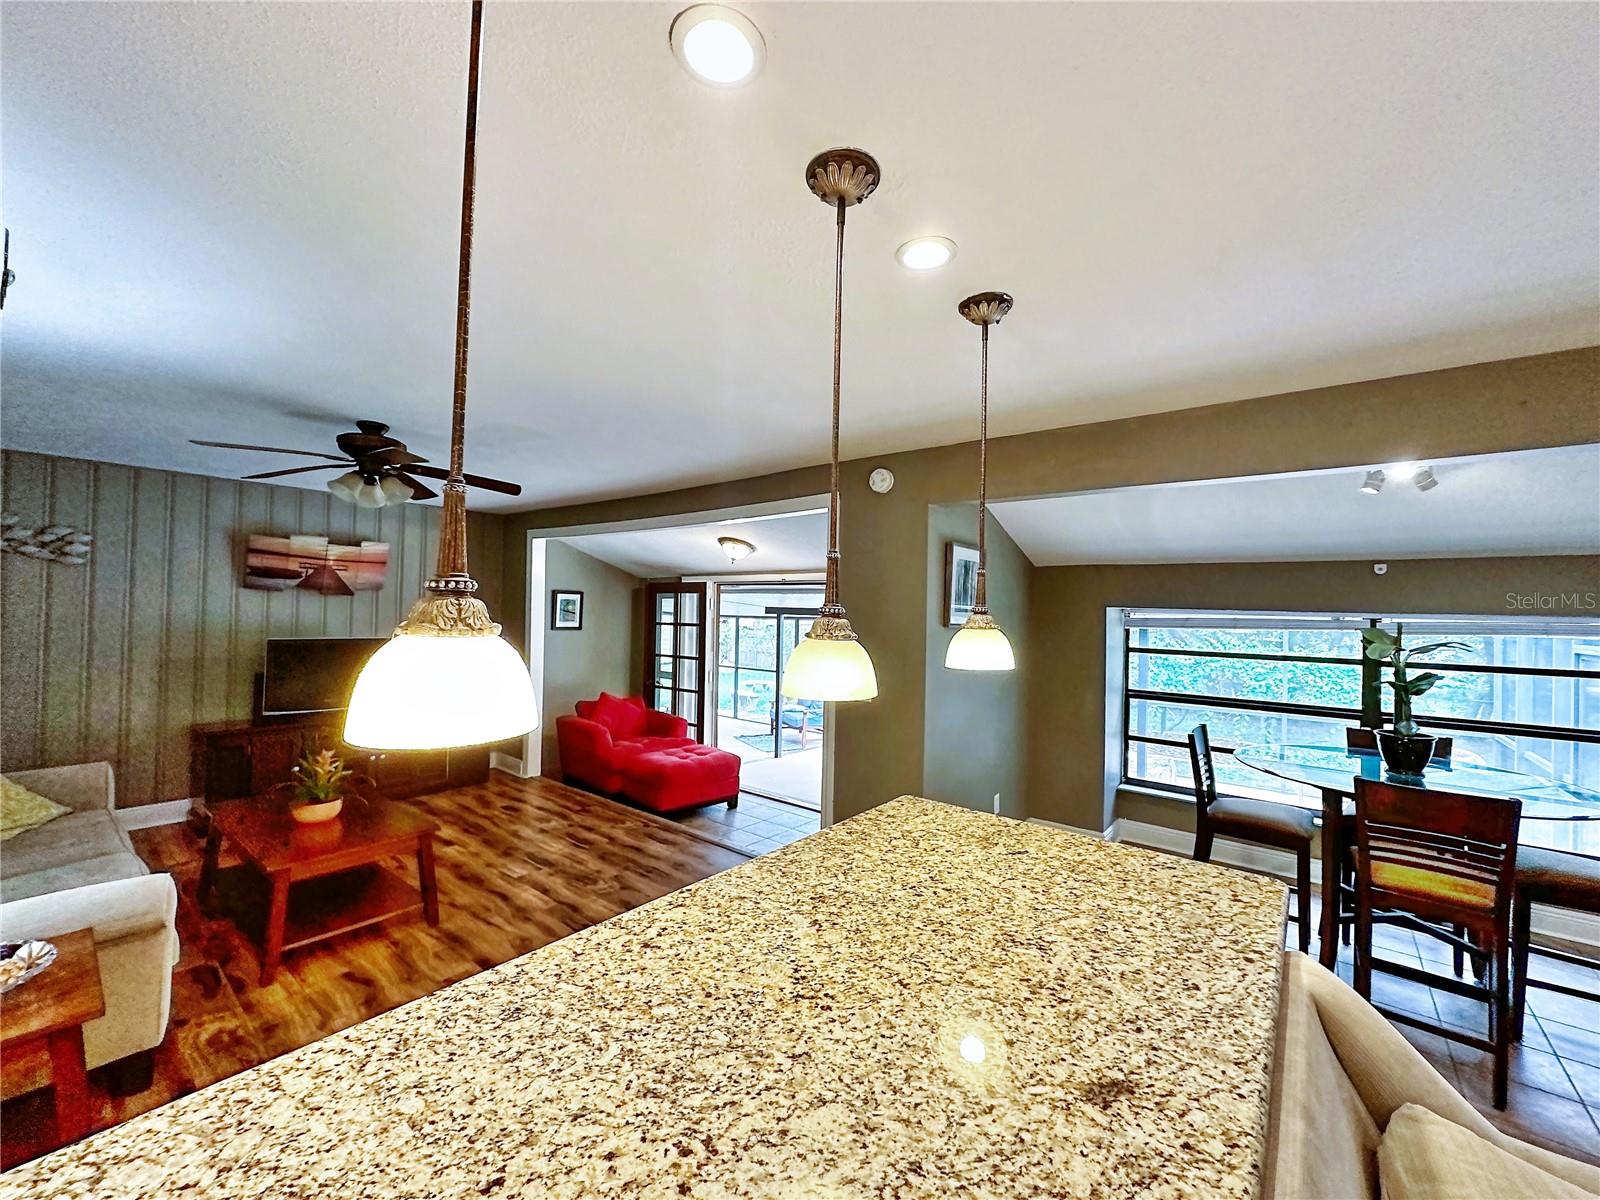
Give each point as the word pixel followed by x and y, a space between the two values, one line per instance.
pixel 755 827
pixel 1554 1097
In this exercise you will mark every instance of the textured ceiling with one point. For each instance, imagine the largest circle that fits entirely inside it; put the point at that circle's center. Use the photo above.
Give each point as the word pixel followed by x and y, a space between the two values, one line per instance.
pixel 1529 502
pixel 238 221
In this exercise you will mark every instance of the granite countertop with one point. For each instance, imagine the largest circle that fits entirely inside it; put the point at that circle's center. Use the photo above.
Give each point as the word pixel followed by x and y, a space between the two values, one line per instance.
pixel 921 1001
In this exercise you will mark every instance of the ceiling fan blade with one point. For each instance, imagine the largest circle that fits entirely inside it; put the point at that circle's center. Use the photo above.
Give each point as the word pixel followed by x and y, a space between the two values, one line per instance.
pixel 419 490
pixel 299 470
pixel 267 449
pixel 478 481
pixel 394 456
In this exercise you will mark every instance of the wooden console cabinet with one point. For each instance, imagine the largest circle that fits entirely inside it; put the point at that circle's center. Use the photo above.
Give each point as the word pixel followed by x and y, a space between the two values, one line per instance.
pixel 231 759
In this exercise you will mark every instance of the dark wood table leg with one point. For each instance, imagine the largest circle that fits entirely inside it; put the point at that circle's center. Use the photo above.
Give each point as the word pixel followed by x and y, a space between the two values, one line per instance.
pixel 277 913
pixel 71 1083
pixel 426 880
pixel 208 865
pixel 1332 852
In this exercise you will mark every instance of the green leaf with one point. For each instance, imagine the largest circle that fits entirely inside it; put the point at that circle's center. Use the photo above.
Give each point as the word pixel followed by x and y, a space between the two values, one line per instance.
pixel 1432 646
pixel 1423 682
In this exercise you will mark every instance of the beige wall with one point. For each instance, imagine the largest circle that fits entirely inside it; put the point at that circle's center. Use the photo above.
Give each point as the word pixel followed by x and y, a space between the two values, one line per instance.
pixel 581 663
pixel 116 659
pixel 880 748
pixel 1067 772
pixel 967 761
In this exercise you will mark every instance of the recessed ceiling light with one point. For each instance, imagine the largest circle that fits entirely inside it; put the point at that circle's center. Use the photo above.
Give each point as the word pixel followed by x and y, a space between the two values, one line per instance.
pixel 716 45
pixel 926 253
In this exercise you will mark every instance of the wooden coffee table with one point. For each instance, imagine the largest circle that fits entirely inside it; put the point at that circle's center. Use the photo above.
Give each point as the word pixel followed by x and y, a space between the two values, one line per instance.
pixel 52 1008
pixel 299 884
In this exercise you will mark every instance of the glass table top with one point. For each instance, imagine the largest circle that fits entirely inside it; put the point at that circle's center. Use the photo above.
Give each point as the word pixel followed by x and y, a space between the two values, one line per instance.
pixel 1334 768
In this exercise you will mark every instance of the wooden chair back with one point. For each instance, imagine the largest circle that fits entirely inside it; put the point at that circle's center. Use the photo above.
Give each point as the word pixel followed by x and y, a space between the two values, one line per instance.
pixel 1455 854
pixel 1202 768
pixel 1357 737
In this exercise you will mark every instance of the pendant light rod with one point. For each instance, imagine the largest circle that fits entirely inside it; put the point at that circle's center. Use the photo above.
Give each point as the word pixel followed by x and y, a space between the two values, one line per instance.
pixel 452 563
pixel 983 310
pixel 830 587
pixel 839 178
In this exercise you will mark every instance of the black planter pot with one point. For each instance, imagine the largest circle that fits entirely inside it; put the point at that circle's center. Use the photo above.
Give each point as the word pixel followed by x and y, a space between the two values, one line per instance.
pixel 1405 753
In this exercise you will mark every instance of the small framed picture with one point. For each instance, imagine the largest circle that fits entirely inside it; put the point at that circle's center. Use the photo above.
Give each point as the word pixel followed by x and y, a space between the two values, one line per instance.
pixel 960 582
pixel 566 610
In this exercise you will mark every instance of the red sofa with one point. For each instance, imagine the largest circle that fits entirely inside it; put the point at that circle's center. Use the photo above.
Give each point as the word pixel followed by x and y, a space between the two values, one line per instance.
pixel 618 746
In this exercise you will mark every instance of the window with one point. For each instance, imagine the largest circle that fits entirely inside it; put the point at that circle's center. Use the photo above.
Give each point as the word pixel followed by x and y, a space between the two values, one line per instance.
pixel 1523 696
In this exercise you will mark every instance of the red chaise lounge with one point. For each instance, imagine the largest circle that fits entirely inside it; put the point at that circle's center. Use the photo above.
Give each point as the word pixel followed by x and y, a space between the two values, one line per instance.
pixel 618 746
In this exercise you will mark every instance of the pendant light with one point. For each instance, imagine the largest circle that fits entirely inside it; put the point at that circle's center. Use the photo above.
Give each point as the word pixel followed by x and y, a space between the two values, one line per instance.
pixel 829 663
pixel 447 678
pixel 980 644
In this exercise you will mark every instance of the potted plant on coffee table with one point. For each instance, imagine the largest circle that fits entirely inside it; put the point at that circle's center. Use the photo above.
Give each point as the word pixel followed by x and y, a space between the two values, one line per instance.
pixel 1405 749
pixel 318 787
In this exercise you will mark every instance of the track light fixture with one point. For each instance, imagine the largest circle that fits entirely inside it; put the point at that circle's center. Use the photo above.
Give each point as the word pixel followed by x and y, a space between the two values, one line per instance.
pixel 1373 483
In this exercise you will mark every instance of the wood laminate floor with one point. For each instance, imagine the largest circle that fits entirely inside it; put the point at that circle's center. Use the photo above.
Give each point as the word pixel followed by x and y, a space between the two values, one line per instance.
pixel 520 864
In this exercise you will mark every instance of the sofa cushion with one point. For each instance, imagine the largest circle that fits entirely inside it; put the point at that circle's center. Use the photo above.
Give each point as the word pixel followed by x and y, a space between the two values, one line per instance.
pixel 624 718
pixel 1424 1157
pixel 22 809
pixel 67 839
pixel 102 868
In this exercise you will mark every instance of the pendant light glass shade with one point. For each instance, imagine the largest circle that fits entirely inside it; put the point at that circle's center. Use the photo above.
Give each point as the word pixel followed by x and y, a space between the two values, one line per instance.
pixel 980 644
pixel 820 669
pixel 829 663
pixel 980 647
pixel 344 486
pixel 446 678
pixel 427 692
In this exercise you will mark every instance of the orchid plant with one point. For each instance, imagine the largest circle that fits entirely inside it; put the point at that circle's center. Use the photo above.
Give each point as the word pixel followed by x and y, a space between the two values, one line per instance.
pixel 1383 646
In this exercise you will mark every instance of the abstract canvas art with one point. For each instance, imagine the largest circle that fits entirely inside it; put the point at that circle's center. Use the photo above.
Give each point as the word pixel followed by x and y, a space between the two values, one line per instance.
pixel 276 564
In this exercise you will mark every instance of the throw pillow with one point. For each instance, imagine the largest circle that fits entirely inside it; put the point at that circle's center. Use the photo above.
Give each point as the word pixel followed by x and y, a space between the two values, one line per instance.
pixel 623 718
pixel 22 810
pixel 1424 1157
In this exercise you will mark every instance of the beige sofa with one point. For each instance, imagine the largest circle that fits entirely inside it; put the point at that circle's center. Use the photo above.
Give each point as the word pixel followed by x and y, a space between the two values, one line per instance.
pixel 80 871
pixel 1341 1072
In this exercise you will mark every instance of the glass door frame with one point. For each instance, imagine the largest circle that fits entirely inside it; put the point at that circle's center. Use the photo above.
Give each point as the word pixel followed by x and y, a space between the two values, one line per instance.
pixel 682 690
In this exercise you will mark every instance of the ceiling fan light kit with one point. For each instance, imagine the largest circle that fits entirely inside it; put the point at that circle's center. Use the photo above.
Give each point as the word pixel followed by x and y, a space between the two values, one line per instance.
pixel 830 663
pixel 447 678
pixel 980 644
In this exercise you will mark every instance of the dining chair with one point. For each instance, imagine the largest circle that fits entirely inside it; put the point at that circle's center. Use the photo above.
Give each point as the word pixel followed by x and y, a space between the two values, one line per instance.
pixel 1359 737
pixel 1548 877
pixel 1436 861
pixel 1263 822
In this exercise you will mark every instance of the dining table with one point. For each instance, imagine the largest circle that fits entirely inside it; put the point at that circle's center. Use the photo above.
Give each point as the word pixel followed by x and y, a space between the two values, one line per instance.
pixel 1332 771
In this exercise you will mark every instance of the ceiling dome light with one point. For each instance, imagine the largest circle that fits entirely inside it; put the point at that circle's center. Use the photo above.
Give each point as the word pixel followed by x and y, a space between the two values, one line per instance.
pixel 925 253
pixel 736 548
pixel 717 45
pixel 1373 484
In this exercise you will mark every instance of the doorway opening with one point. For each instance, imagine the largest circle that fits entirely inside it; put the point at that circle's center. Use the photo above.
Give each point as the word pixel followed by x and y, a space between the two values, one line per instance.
pixel 779 740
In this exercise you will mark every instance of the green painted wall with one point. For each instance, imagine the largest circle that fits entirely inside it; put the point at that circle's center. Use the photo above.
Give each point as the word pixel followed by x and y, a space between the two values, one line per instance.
pixel 581 663
pixel 116 659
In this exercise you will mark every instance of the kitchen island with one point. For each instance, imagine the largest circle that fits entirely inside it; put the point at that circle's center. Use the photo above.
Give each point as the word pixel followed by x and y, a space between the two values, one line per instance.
pixel 921 1001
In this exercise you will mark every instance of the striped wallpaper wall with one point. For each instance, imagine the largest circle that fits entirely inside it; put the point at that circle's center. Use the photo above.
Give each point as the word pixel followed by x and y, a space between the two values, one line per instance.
pixel 115 660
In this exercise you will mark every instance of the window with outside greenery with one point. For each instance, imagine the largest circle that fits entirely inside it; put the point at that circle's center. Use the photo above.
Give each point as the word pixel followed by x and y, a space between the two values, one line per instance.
pixel 1525 697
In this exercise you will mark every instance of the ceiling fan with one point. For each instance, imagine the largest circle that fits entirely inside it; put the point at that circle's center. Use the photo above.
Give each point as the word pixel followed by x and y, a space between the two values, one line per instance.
pixel 378 469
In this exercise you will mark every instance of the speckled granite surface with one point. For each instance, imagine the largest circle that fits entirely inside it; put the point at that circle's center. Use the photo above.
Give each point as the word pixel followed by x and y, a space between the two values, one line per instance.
pixel 922 1001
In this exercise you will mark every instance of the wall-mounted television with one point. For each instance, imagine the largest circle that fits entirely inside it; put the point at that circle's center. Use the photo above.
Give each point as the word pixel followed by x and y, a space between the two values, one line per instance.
pixel 311 675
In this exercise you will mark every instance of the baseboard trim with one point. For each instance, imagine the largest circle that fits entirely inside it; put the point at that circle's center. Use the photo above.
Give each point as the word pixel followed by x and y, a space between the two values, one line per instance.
pixel 1099 835
pixel 149 816
pixel 507 763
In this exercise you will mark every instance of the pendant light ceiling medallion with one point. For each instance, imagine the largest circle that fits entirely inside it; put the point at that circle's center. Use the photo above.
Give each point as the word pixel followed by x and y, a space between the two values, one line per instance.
pixel 830 663
pixel 980 644
pixel 447 678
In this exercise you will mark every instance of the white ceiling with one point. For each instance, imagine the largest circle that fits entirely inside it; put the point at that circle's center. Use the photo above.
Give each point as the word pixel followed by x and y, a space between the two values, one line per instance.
pixel 1530 502
pixel 238 221
pixel 783 545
